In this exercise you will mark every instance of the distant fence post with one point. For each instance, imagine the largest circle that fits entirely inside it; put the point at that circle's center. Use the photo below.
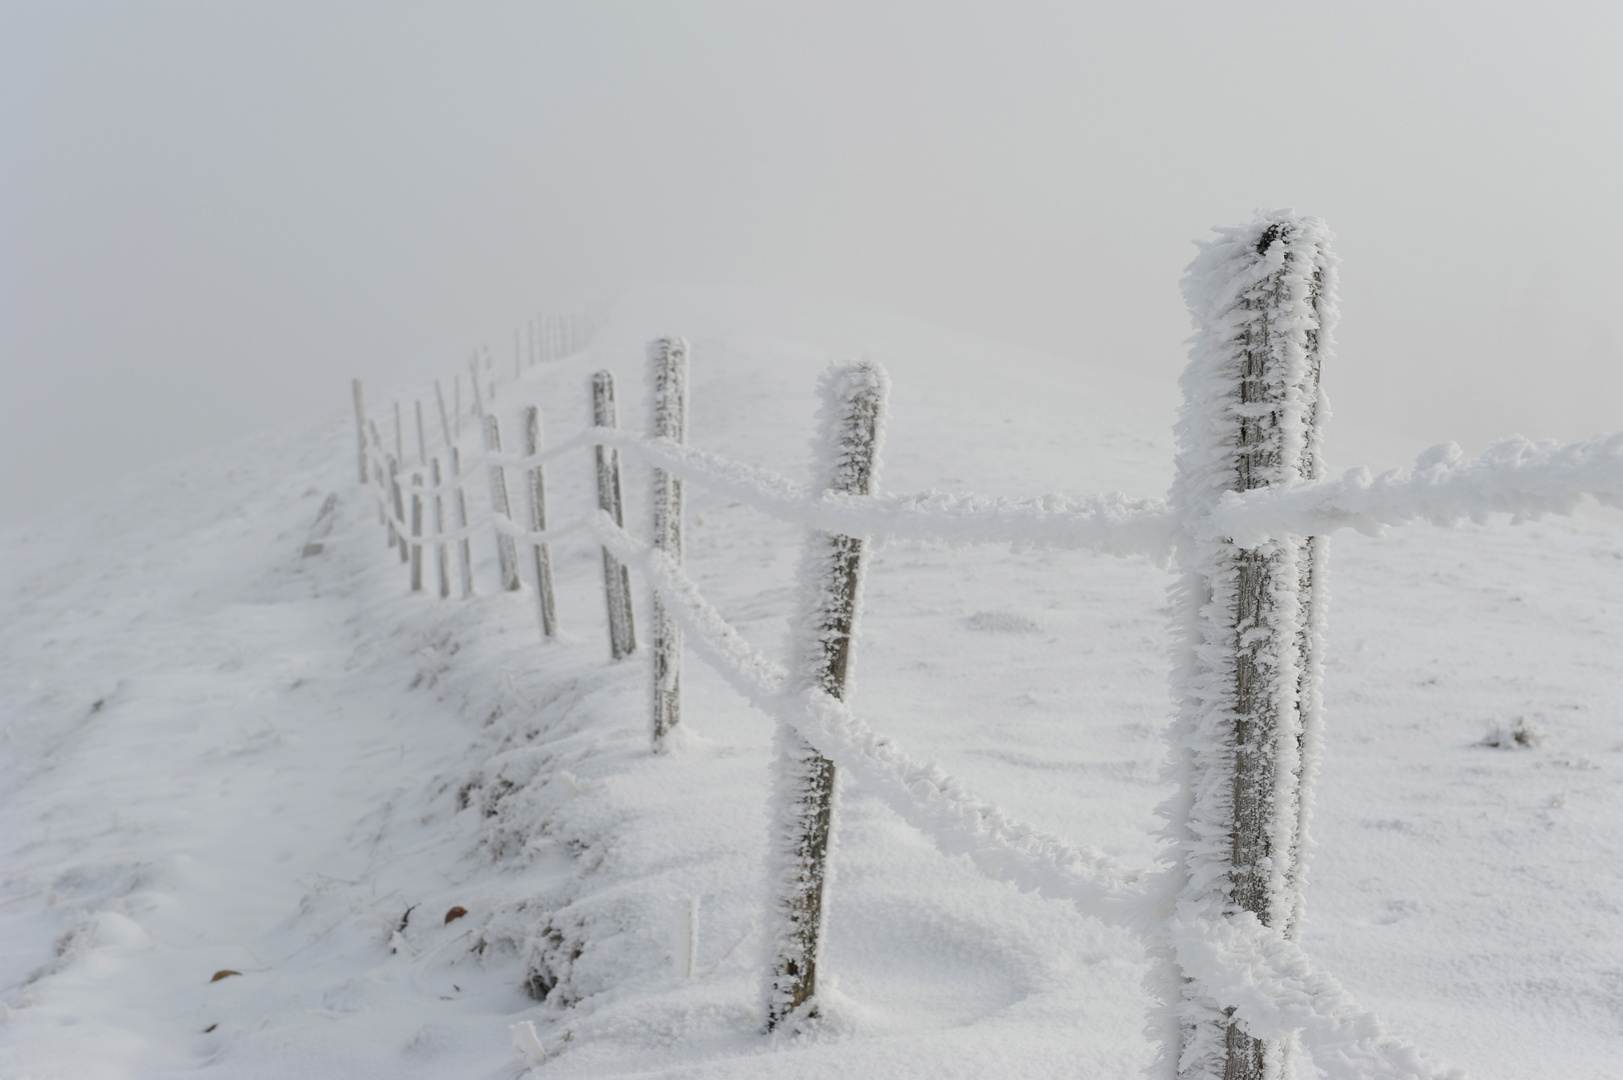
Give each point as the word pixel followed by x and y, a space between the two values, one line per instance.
pixel 417 532
pixel 536 486
pixel 506 549
pixel 668 364
pixel 382 481
pixel 399 507
pixel 616 579
pixel 422 434
pixel 442 562
pixel 1246 741
pixel 445 421
pixel 852 414
pixel 360 429
pixel 464 545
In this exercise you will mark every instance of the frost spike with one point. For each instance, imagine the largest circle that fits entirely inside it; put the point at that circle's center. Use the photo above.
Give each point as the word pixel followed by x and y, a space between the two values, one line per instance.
pixel 668 364
pixel 831 600
pixel 616 579
pixel 536 486
pixel 506 550
pixel 1250 656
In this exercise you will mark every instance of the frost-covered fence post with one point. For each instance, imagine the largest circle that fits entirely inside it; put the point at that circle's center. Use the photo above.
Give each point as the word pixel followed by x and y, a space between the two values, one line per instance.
pixel 442 561
pixel 616 579
pixel 417 532
pixel 445 421
pixel 464 546
pixel 422 434
pixel 1247 736
pixel 506 549
pixel 399 508
pixel 360 428
pixel 382 481
pixel 473 377
pixel 668 361
pixel 536 485
pixel 831 598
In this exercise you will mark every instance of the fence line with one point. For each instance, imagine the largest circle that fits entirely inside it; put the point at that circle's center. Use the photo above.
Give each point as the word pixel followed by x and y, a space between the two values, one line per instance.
pixel 1247 522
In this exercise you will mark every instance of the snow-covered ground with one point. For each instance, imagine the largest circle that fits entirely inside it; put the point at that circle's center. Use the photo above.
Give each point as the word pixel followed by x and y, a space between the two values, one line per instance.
pixel 221 755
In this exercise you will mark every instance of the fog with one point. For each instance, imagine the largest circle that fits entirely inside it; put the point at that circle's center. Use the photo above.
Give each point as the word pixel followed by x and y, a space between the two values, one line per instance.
pixel 213 214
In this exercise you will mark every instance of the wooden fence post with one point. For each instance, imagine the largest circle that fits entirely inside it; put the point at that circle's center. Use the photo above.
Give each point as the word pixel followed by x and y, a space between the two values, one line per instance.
pixel 616 579
pixel 445 421
pixel 417 533
pixel 360 430
pixel 422 435
pixel 1249 720
pixel 506 548
pixel 399 436
pixel 442 560
pixel 803 815
pixel 668 361
pixel 536 485
pixel 473 377
pixel 399 506
pixel 464 546
pixel 382 481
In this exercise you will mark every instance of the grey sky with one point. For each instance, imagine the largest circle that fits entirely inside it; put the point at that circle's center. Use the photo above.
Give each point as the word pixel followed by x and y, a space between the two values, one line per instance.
pixel 212 214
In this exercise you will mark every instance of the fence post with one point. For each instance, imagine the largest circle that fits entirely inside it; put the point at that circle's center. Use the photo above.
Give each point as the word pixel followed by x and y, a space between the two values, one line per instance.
pixel 399 507
pixel 473 377
pixel 417 533
pixel 360 430
pixel 1249 721
pixel 668 361
pixel 831 598
pixel 506 549
pixel 383 486
pixel 445 421
pixel 442 560
pixel 464 546
pixel 616 579
pixel 399 436
pixel 536 484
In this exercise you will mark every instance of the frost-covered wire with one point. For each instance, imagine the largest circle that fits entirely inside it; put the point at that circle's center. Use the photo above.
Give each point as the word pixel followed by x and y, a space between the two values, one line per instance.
pixel 1514 476
pixel 1110 523
pixel 1271 986
pixel 1268 980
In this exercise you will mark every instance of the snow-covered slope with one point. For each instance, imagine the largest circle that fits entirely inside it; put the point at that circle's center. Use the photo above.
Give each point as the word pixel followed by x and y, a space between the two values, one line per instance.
pixel 219 754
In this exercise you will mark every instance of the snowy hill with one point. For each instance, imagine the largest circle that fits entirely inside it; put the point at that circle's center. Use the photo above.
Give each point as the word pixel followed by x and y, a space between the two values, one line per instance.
pixel 220 754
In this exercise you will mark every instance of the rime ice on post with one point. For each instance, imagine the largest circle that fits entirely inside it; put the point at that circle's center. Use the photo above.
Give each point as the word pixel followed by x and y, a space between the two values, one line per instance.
pixel 536 485
pixel 616 579
pixel 1249 652
pixel 506 549
pixel 831 598
pixel 668 370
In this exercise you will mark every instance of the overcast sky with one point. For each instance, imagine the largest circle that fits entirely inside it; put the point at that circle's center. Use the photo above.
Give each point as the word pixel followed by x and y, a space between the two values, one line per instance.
pixel 213 214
